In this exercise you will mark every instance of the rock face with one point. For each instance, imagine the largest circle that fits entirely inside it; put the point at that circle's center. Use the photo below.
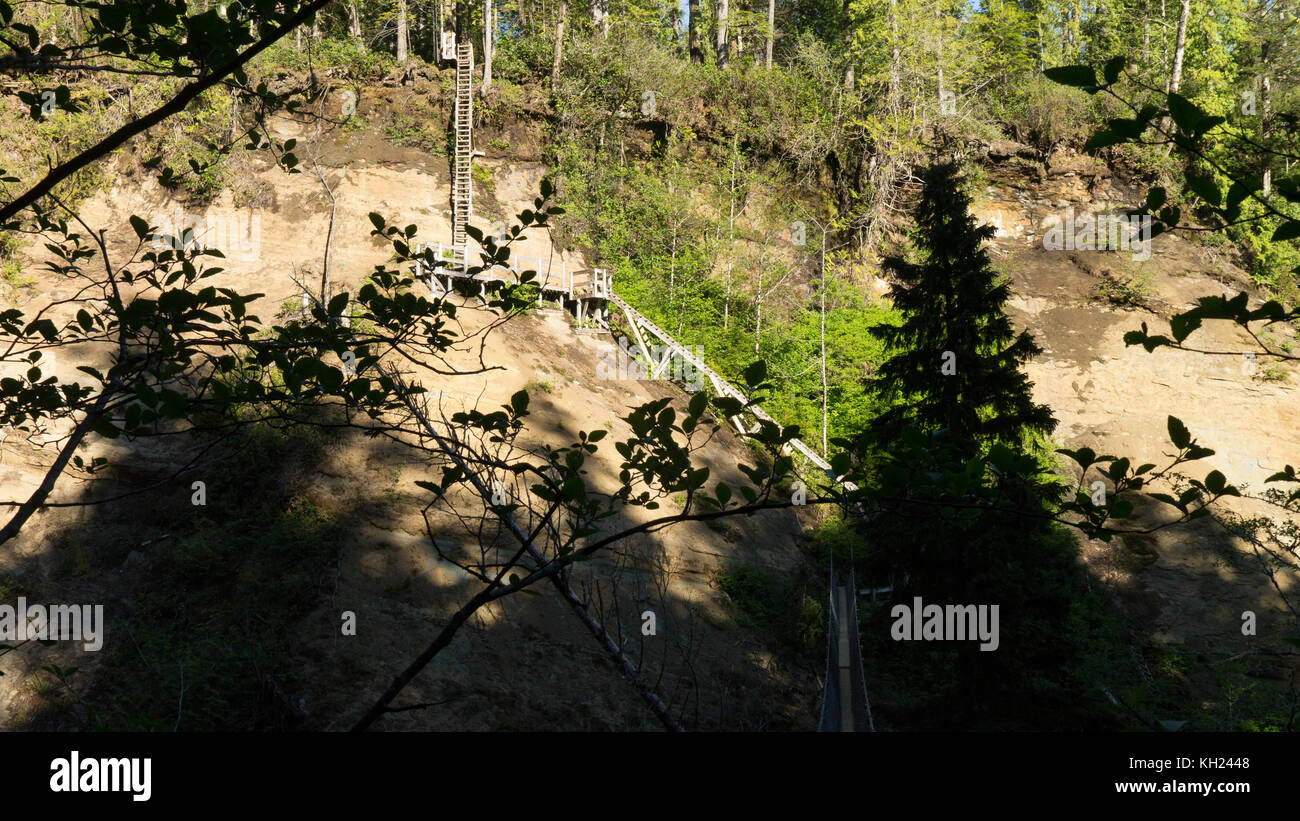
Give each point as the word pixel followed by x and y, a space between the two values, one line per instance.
pixel 1116 399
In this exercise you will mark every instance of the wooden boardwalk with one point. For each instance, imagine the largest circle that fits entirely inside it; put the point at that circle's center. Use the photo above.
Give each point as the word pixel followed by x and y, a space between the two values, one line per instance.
pixel 555 278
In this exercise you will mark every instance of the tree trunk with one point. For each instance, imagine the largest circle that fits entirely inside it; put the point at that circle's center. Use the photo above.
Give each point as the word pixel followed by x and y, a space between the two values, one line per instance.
pixel 895 62
pixel 693 31
pixel 938 38
pixel 721 46
pixel 771 32
pixel 489 43
pixel 1265 105
pixel 1146 32
pixel 822 334
pixel 354 20
pixel 421 36
pixel 401 31
pixel 1076 23
pixel 1176 78
pixel 600 17
pixel 850 81
pixel 731 236
pixel 1164 38
pixel 559 45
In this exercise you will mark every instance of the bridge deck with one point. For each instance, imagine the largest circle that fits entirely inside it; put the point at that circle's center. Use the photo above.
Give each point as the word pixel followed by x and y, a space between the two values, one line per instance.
pixel 845 708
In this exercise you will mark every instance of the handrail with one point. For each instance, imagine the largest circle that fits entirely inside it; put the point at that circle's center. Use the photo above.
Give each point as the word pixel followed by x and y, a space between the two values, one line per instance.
pixel 724 387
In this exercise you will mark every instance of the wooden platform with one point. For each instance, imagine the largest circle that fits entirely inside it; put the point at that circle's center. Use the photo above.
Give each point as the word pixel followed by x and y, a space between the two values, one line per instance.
pixel 554 277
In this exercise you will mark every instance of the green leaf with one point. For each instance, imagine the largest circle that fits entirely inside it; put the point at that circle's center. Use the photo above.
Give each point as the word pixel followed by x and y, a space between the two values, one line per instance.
pixel 1287 230
pixel 574 488
pixel 724 494
pixel 1084 456
pixel 1117 469
pixel 1205 188
pixel 1077 76
pixel 1178 433
pixel 1237 193
pixel 519 401
pixel 1114 67
pixel 1186 114
pixel 1215 482
pixel 141 227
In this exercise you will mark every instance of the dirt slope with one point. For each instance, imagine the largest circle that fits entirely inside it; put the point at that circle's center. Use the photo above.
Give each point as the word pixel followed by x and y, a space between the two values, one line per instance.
pixel 527 664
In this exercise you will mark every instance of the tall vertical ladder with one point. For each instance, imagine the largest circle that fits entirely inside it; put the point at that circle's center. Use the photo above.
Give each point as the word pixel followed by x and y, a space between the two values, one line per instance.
pixel 461 183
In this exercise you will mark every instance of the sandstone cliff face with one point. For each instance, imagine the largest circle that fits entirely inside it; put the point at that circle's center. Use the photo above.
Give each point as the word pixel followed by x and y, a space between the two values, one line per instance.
pixel 1183 584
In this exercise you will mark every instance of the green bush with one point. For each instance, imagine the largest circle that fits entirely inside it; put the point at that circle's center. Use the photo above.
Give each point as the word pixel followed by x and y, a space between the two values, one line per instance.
pixel 784 609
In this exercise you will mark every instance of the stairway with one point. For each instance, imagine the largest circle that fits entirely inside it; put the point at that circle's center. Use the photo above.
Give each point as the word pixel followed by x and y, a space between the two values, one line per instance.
pixel 638 323
pixel 461 181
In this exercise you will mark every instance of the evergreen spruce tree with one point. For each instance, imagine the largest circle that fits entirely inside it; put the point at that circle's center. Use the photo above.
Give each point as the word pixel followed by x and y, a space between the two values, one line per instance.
pixel 957 361
pixel 955 379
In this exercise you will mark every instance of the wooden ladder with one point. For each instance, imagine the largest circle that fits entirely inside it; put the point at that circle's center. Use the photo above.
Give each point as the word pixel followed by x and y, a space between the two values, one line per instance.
pixel 462 193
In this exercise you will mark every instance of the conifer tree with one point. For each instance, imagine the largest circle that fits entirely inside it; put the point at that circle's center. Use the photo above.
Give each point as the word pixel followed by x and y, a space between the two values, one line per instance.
pixel 960 398
pixel 957 359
